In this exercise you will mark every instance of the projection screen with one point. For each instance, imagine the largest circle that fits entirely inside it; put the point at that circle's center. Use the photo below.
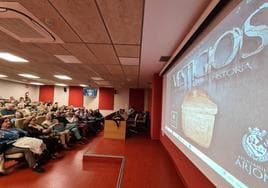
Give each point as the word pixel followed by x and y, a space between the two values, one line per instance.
pixel 215 100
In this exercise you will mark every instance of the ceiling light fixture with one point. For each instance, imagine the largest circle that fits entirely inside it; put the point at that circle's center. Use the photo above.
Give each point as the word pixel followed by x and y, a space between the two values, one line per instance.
pixel 83 85
pixel 37 83
pixel 63 77
pixel 28 76
pixel 62 85
pixel 3 76
pixel 97 78
pixel 68 59
pixel 12 58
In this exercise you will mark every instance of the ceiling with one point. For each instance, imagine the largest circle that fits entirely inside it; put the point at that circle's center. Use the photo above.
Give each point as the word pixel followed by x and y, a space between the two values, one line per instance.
pixel 120 41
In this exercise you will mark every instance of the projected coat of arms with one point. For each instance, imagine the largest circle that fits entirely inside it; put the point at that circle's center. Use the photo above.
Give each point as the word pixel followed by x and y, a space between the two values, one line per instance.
pixel 198 117
pixel 255 143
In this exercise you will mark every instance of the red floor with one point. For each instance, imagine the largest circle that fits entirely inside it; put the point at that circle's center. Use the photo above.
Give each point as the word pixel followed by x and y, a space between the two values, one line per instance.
pixel 147 165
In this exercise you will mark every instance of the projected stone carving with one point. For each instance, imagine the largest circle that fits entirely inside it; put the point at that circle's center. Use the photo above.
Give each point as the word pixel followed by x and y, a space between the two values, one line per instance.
pixel 198 117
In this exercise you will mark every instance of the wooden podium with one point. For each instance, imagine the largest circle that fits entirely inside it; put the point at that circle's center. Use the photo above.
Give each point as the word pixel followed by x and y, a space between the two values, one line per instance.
pixel 112 131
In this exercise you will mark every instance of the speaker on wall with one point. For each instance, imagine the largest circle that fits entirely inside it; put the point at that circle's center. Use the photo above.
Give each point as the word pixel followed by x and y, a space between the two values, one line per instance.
pixel 65 89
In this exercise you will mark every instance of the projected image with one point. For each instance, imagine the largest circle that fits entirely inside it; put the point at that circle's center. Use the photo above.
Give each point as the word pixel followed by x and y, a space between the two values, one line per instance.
pixel 216 99
pixel 198 117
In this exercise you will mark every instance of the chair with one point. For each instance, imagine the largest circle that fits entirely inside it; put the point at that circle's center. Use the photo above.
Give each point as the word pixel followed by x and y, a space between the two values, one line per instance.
pixel 40 119
pixel 4 157
pixel 19 123
pixel 132 124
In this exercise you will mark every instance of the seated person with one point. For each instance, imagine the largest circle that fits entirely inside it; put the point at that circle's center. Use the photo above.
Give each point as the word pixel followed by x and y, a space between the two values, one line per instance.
pixel 27 99
pixel 72 125
pixel 60 131
pixel 11 135
pixel 18 115
pixel 54 107
pixel 9 110
pixel 21 103
pixel 99 118
pixel 45 134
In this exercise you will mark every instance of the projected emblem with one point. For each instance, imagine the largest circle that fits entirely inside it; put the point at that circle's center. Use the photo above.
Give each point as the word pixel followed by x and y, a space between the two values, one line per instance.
pixel 255 143
pixel 198 116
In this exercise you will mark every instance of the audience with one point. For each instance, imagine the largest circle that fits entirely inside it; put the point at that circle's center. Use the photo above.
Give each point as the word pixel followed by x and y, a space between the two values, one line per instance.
pixel 47 129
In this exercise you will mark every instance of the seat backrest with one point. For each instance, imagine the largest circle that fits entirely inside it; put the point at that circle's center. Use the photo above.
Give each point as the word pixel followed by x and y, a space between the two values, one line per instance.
pixel 8 116
pixel 19 123
pixel 40 119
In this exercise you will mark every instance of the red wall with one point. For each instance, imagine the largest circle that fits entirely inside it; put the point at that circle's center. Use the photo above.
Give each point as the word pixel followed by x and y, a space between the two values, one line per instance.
pixel 136 99
pixel 156 109
pixel 46 93
pixel 76 97
pixel 106 99
pixel 149 100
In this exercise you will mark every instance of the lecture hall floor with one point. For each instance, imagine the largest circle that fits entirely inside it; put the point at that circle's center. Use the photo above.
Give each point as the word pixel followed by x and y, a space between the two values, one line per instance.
pixel 147 165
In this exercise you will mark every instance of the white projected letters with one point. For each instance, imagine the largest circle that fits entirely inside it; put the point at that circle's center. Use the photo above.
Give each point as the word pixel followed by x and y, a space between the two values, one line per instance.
pixel 214 94
pixel 194 72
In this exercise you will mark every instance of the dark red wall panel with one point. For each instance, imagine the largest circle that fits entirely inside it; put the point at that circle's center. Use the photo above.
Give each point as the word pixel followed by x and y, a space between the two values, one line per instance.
pixel 46 93
pixel 136 99
pixel 156 109
pixel 106 98
pixel 149 98
pixel 76 97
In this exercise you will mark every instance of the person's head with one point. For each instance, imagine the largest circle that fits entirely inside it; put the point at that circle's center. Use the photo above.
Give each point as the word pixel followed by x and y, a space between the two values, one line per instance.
pixel 21 99
pixel 10 106
pixel 69 114
pixel 57 113
pixel 11 98
pixel 18 114
pixel 5 123
pixel 49 117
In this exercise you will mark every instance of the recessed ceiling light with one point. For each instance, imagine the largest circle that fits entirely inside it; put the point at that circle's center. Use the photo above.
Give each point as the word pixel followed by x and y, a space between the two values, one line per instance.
pixel 63 85
pixel 68 59
pixel 83 85
pixel 63 77
pixel 28 76
pixel 97 78
pixel 12 58
pixel 37 83
pixel 3 76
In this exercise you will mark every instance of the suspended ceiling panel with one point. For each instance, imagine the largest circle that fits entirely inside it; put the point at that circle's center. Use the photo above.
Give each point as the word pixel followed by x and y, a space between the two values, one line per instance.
pixel 115 69
pixel 123 20
pixel 105 53
pixel 131 70
pixel 82 52
pixel 127 50
pixel 84 18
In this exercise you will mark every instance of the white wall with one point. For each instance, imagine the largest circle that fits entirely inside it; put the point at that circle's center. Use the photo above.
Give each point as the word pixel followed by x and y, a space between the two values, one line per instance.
pixel 61 96
pixel 121 100
pixel 17 90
